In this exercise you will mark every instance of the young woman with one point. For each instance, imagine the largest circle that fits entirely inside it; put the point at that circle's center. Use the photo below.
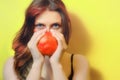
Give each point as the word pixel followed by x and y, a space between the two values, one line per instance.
pixel 28 62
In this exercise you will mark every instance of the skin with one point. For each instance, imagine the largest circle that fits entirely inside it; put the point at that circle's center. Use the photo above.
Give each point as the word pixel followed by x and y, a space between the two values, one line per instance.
pixel 54 66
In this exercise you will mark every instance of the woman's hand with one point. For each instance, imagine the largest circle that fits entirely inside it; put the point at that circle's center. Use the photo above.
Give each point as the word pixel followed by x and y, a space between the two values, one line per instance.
pixel 32 45
pixel 58 73
pixel 62 46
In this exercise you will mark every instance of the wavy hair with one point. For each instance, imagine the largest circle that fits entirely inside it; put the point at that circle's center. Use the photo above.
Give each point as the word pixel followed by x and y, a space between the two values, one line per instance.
pixel 22 55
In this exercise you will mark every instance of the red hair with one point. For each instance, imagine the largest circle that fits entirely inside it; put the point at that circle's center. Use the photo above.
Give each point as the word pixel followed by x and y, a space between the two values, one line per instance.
pixel 22 53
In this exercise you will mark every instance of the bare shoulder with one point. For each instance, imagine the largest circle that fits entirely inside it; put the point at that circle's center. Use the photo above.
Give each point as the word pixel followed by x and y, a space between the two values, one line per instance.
pixel 80 59
pixel 9 61
pixel 80 63
pixel 8 71
pixel 81 67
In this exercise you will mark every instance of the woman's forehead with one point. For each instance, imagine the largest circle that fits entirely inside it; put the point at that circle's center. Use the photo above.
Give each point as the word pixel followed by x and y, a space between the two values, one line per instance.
pixel 48 16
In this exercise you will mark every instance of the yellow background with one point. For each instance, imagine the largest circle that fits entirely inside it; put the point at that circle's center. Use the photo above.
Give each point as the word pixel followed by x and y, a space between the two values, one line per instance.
pixel 96 33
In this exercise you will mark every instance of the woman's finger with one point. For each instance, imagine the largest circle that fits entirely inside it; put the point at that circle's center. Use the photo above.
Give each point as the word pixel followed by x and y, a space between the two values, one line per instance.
pixel 60 38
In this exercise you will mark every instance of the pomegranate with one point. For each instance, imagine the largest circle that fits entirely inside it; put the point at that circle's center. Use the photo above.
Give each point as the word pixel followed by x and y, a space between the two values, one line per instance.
pixel 47 44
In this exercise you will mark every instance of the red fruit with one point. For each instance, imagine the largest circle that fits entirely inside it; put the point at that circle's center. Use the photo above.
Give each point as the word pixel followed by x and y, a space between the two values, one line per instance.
pixel 47 44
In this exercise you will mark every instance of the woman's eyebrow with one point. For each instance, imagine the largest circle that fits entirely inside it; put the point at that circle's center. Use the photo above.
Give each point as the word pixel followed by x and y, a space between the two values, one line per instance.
pixel 38 23
pixel 58 23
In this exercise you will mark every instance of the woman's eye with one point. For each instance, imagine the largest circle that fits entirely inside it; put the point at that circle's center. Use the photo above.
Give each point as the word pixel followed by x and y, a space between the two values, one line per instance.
pixel 56 26
pixel 39 26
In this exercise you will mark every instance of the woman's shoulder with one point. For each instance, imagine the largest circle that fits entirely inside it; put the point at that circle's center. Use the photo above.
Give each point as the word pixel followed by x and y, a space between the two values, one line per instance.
pixel 9 61
pixel 8 70
pixel 77 57
pixel 80 67
pixel 80 60
pixel 8 64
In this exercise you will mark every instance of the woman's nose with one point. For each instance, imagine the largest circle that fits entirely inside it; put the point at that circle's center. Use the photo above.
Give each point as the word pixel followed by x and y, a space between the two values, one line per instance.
pixel 48 28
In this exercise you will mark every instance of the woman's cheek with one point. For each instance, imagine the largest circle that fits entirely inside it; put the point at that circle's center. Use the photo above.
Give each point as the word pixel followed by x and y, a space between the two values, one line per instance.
pixel 34 30
pixel 57 30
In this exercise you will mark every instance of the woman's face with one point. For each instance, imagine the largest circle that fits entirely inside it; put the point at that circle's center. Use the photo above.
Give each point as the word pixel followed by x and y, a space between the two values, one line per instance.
pixel 47 21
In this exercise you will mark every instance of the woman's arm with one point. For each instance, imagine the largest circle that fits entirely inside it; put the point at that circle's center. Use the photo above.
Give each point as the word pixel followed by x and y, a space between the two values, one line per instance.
pixel 38 59
pixel 35 71
pixel 58 73
pixel 80 67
